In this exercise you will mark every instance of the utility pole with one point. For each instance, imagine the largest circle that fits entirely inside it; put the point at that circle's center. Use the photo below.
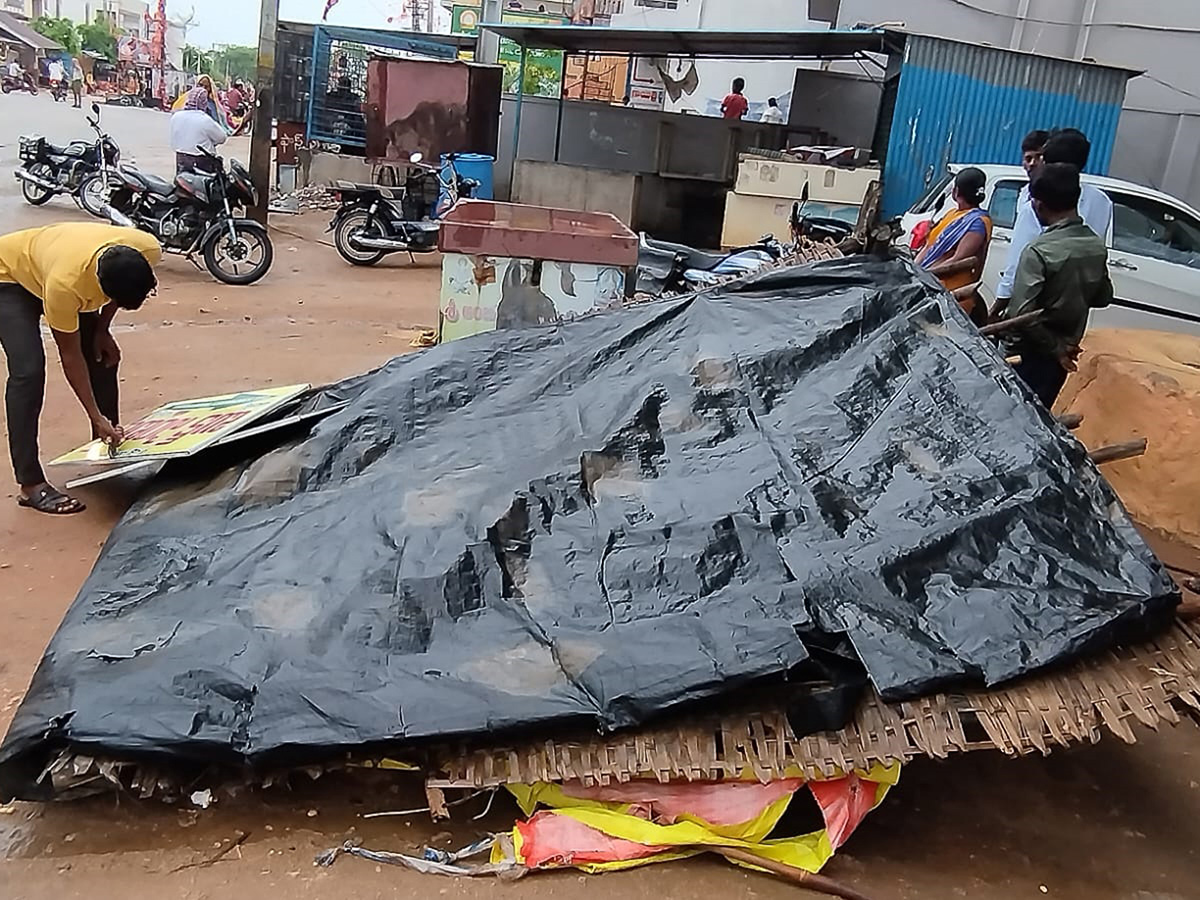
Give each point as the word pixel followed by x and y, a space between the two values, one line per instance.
pixel 264 114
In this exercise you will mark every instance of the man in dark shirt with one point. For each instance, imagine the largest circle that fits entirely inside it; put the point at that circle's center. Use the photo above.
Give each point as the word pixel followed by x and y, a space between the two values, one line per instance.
pixel 1064 274
pixel 735 104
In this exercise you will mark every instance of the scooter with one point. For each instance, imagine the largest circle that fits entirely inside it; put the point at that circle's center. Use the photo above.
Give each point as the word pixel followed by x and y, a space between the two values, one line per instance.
pixel 8 84
pixel 85 170
pixel 374 220
pixel 58 90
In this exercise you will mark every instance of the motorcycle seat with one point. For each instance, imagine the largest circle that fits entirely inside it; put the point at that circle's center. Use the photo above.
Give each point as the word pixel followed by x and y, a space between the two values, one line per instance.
pixel 75 148
pixel 152 183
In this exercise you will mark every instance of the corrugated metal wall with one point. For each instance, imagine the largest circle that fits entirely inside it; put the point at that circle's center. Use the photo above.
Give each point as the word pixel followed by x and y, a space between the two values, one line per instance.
pixel 959 103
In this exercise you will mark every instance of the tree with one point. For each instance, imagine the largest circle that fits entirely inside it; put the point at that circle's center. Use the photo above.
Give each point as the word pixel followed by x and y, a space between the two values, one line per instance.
pixel 98 37
pixel 197 61
pixel 235 62
pixel 60 30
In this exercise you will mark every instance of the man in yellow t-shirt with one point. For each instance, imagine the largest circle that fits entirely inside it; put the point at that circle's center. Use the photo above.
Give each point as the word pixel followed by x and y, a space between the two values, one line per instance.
pixel 77 276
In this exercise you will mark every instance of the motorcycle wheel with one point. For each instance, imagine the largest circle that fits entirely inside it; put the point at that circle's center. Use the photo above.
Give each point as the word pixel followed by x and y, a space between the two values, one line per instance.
pixel 35 195
pixel 357 221
pixel 241 262
pixel 93 195
pixel 6 87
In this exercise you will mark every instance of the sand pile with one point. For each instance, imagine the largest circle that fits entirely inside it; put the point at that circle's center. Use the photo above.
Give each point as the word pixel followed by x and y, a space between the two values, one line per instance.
pixel 1134 384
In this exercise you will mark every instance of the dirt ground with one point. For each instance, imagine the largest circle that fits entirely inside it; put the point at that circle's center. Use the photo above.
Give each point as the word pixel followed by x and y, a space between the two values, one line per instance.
pixel 1110 822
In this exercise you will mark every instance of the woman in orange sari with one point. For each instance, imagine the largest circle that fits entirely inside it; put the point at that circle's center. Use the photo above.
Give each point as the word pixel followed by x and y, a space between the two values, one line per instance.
pixel 957 247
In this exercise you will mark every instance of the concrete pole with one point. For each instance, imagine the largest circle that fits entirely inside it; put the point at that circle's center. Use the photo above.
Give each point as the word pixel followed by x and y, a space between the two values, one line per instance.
pixel 264 84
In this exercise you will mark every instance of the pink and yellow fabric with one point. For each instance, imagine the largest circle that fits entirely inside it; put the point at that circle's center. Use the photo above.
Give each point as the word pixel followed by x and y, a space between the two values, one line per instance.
pixel 619 826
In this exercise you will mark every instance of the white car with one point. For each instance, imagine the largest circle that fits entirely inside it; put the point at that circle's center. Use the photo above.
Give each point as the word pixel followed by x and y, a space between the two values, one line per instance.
pixel 1153 247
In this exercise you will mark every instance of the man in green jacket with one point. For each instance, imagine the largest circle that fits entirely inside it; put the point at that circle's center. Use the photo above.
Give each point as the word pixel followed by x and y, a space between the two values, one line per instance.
pixel 1064 274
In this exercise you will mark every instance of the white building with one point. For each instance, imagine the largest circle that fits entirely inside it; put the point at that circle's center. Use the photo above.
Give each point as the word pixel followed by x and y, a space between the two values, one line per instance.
pixel 764 78
pixel 126 16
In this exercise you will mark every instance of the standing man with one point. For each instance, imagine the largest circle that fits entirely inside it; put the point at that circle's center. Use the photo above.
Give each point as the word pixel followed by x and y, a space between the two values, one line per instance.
pixel 1064 274
pixel 77 275
pixel 77 82
pixel 193 130
pixel 1065 146
pixel 772 115
pixel 735 104
pixel 1032 149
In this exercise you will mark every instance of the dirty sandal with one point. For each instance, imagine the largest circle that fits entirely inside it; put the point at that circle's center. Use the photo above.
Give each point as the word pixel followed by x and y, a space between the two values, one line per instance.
pixel 52 501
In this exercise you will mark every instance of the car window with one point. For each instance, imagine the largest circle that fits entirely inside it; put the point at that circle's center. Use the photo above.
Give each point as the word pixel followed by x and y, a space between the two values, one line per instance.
pixel 933 195
pixel 1155 229
pixel 1003 206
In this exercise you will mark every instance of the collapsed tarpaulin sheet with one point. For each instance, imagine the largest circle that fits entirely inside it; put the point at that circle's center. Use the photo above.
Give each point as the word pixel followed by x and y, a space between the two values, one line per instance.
pixel 595 521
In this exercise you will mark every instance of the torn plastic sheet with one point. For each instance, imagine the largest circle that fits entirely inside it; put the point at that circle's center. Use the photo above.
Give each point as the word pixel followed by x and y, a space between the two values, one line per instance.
pixel 616 827
pixel 591 523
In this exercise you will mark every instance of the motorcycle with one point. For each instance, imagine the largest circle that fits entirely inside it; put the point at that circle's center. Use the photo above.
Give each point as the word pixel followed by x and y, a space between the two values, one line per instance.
pixel 84 170
pixel 374 220
pixel 199 213
pixel 8 84
pixel 58 90
pixel 667 268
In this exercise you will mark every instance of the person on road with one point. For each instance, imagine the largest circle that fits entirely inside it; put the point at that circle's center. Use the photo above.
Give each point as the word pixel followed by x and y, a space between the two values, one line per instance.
pixel 191 128
pixel 1064 146
pixel 772 115
pixel 56 73
pixel 77 82
pixel 214 109
pixel 235 99
pixel 77 275
pixel 735 104
pixel 957 247
pixel 1064 274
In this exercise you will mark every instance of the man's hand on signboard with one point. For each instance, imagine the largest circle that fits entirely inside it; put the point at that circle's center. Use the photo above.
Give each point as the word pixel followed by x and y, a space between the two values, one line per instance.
pixel 106 350
pixel 106 431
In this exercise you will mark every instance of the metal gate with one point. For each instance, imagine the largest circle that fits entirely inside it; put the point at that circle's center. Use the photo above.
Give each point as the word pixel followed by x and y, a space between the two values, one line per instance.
pixel 339 78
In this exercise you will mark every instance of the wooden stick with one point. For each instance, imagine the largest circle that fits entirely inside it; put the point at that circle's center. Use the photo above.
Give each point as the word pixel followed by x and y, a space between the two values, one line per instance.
pixel 817 883
pixel 1070 421
pixel 1114 452
pixel 1009 324
pixel 964 292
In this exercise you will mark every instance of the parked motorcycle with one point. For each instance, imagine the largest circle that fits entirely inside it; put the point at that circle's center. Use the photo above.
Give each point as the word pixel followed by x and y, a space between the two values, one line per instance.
pixel 667 268
pixel 374 220
pixel 199 213
pixel 8 84
pixel 84 170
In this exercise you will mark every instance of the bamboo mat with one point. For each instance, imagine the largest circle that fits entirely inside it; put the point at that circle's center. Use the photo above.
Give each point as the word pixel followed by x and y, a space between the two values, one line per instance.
pixel 1148 684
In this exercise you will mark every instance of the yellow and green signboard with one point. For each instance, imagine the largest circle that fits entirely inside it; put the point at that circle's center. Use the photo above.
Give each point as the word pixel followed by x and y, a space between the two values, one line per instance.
pixel 185 427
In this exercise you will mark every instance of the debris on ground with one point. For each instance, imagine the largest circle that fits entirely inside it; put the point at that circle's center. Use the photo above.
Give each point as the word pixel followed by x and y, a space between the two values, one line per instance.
pixel 305 199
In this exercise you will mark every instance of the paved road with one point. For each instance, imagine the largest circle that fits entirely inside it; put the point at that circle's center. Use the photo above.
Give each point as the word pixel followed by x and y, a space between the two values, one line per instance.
pixel 141 133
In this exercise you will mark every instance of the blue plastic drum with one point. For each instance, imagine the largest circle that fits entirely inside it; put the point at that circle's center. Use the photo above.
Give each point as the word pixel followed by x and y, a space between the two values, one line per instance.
pixel 473 165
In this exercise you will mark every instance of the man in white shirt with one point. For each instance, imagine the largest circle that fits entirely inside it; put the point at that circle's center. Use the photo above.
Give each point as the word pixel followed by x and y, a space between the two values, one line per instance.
pixel 192 128
pixel 772 115
pixel 1066 145
pixel 55 71
pixel 14 69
